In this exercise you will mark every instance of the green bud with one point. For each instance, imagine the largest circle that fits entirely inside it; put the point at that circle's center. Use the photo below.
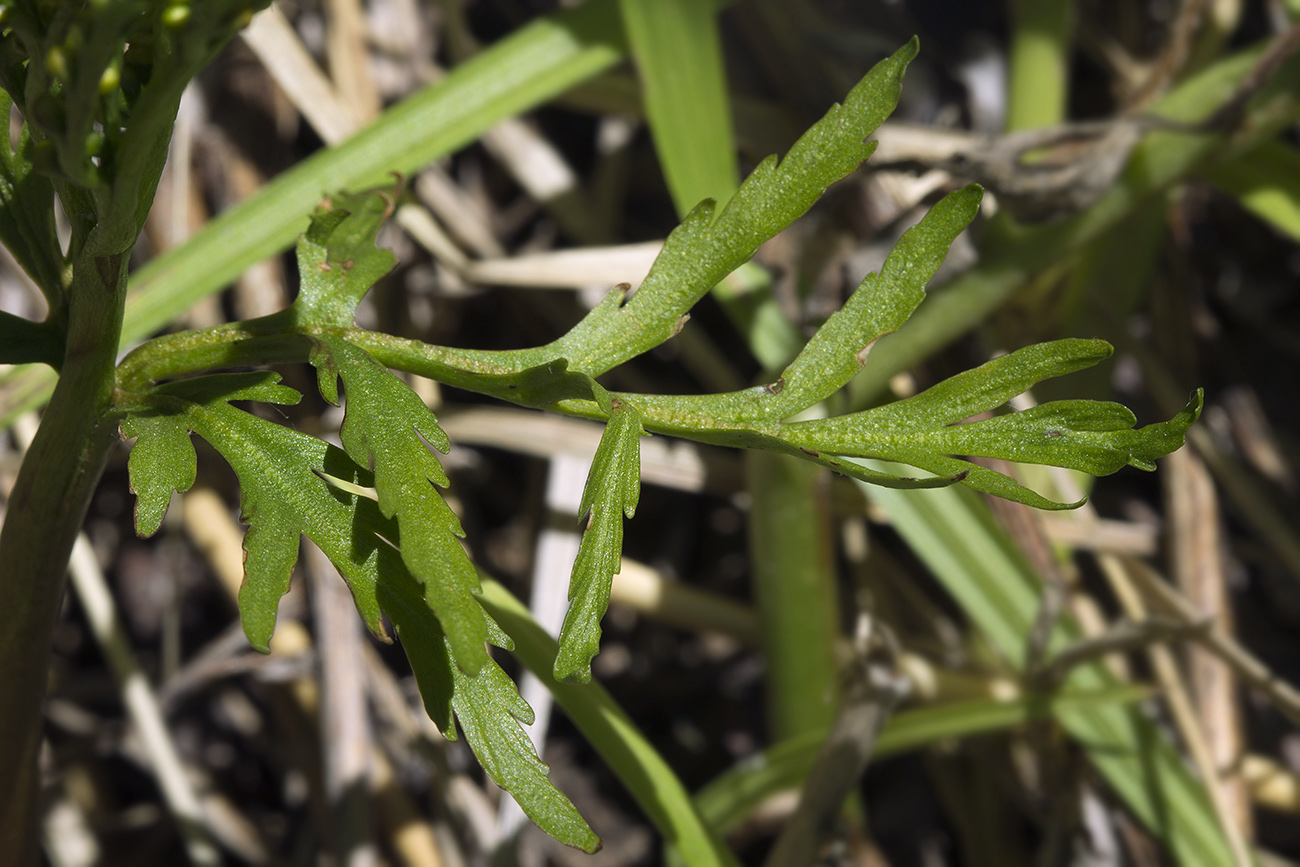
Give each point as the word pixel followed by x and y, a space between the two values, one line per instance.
pixel 57 62
pixel 175 17
pixel 111 80
pixel 94 144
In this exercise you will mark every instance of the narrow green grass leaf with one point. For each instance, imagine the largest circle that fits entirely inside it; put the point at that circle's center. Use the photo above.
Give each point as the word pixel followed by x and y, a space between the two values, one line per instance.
pixel 613 486
pixel 954 534
pixel 679 60
pixel 613 735
pixel 728 799
pixel 1266 181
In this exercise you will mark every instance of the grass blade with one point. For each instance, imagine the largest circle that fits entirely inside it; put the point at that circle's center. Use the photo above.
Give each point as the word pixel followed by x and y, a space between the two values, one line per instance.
pixel 954 533
pixel 536 63
pixel 607 728
pixel 679 57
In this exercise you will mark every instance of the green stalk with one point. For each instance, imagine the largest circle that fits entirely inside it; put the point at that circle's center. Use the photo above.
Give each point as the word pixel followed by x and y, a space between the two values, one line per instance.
pixel 678 52
pixel 610 731
pixel 1039 60
pixel 794 585
pixel 43 516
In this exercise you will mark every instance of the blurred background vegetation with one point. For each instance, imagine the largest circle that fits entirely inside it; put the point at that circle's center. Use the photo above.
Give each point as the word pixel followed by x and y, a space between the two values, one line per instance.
pixel 548 151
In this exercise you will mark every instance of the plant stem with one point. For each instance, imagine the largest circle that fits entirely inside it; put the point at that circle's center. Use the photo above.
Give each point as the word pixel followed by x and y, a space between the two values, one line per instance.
pixel 42 518
pixel 794 586
pixel 1040 59
pixel 608 729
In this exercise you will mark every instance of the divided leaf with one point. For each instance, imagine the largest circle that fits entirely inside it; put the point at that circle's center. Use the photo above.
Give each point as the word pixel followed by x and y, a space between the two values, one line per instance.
pixel 387 426
pixel 706 247
pixel 839 349
pixel 924 430
pixel 338 261
pixel 880 304
pixel 283 495
pixel 611 492
pixel 489 710
pixel 163 460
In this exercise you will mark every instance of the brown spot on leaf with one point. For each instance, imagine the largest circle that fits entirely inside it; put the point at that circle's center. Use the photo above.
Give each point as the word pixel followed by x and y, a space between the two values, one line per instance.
pixel 810 452
pixel 775 387
pixel 861 354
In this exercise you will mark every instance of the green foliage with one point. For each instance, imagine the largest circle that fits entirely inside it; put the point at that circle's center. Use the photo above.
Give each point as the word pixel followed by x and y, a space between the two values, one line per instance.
pixel 611 492
pixel 375 507
pixel 488 708
pixel 98 85
pixel 707 247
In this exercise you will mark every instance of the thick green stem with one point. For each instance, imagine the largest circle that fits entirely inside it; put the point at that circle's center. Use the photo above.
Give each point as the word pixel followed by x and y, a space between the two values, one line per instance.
pixel 794 582
pixel 42 518
pixel 1040 60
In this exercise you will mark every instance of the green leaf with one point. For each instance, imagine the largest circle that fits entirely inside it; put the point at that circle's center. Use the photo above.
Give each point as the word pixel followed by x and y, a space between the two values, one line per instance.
pixel 610 494
pixel 881 304
pixel 387 426
pixel 706 247
pixel 1091 436
pixel 162 461
pixel 975 391
pixel 1266 181
pixel 923 431
pixel 490 710
pixel 27 216
pixel 338 261
pixel 678 55
pixel 839 349
pixel 609 730
pixel 283 495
